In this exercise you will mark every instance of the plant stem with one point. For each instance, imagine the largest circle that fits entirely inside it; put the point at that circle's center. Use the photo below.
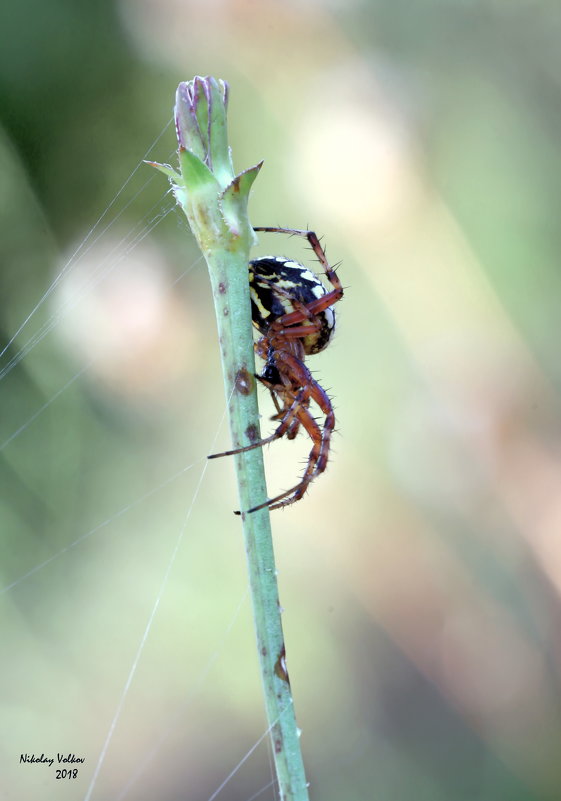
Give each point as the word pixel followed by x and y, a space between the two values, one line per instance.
pixel 215 203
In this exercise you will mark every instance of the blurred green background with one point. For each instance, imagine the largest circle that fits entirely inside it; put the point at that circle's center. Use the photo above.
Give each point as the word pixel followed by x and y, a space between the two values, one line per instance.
pixel 421 576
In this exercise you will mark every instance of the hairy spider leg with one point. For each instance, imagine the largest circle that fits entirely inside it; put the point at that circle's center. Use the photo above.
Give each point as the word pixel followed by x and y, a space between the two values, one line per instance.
pixel 296 492
pixel 289 396
pixel 318 457
pixel 290 414
pixel 315 244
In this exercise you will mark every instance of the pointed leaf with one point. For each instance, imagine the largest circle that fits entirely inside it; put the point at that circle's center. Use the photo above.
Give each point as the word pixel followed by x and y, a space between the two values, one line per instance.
pixel 195 172
pixel 174 176
pixel 233 201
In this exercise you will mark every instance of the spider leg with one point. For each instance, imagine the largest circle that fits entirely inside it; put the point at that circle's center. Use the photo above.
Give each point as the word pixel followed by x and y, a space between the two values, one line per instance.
pixel 287 421
pixel 288 395
pixel 295 493
pixel 294 426
pixel 303 311
pixel 321 437
pixel 280 410
pixel 295 332
pixel 319 455
pixel 314 307
pixel 315 244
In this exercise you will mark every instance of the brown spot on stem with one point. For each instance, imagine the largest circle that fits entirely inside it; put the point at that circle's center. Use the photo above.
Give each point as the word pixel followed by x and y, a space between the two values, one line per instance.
pixel 280 667
pixel 222 287
pixel 244 381
pixel 252 433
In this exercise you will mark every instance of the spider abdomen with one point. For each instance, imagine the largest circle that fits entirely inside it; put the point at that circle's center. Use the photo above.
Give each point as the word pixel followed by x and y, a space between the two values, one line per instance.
pixel 279 286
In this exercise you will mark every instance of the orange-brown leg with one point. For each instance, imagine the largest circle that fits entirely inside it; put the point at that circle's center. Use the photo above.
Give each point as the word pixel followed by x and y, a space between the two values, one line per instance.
pixel 315 244
pixel 321 437
pixel 294 427
pixel 290 414
pixel 317 462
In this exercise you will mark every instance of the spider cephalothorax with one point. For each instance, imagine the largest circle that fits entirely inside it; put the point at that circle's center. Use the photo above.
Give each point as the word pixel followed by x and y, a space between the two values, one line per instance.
pixel 292 310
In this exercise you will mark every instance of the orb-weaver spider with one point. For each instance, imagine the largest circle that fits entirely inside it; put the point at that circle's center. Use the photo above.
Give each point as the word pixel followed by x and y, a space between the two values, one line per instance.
pixel 292 310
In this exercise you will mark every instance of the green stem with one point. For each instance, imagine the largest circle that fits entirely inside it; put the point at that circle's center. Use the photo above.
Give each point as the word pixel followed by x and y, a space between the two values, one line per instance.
pixel 215 203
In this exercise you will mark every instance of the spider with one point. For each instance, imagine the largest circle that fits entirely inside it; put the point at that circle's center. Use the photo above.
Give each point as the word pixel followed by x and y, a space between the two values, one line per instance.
pixel 292 310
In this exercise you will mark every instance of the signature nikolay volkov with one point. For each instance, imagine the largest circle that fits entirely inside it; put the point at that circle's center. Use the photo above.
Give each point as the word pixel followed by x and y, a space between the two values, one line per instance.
pixel 61 759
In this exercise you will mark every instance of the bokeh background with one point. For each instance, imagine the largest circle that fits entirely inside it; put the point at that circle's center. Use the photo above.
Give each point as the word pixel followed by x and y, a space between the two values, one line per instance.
pixel 421 576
